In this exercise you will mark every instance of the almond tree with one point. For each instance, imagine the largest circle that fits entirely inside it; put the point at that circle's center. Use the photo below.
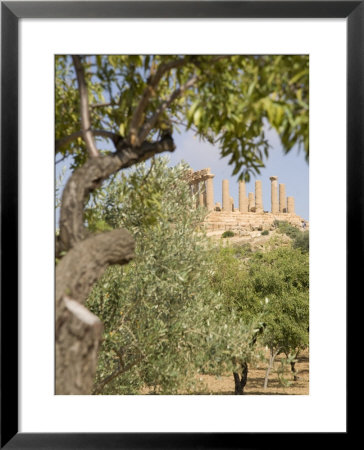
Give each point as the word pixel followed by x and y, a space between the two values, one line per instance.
pixel 137 103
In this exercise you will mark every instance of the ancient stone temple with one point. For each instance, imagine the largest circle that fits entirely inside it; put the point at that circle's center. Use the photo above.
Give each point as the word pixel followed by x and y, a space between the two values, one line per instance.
pixel 202 186
pixel 248 213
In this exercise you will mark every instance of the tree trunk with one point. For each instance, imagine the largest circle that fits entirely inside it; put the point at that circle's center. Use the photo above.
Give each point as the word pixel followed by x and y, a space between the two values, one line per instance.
pixel 77 342
pixel 294 371
pixel 78 332
pixel 270 366
pixel 241 382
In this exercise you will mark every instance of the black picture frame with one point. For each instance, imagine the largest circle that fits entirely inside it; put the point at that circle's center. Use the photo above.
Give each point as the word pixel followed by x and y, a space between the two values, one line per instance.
pixel 11 12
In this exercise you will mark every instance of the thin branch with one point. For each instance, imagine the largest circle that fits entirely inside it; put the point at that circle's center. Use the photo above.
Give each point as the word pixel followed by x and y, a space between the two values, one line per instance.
pixel 113 375
pixel 85 112
pixel 149 171
pixel 164 105
pixel 149 92
pixel 97 389
pixel 67 139
pixel 102 105
pixel 62 159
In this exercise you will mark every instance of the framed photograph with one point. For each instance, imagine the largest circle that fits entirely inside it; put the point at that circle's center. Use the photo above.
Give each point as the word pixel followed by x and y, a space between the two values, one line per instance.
pixel 53 52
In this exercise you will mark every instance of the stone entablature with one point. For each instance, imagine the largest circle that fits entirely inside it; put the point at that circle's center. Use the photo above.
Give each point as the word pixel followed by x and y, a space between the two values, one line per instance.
pixel 250 214
pixel 201 185
pixel 199 176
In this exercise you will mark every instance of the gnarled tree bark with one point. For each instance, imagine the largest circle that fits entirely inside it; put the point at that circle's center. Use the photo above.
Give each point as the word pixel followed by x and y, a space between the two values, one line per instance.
pixel 90 176
pixel 78 332
pixel 78 337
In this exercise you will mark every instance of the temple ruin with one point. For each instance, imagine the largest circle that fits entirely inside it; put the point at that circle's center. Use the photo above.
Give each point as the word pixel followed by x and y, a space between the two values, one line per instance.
pixel 250 214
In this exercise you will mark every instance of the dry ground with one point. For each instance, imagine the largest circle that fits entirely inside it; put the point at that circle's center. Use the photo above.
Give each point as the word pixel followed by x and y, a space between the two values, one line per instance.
pixel 224 385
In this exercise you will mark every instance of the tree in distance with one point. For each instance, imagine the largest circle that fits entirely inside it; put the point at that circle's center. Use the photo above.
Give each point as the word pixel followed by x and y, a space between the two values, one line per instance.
pixel 274 286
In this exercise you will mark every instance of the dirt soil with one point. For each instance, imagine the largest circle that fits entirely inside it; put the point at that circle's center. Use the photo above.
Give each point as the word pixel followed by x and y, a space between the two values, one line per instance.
pixel 224 385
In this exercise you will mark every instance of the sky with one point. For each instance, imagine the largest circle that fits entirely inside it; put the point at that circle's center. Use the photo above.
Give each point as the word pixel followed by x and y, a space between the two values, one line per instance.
pixel 291 169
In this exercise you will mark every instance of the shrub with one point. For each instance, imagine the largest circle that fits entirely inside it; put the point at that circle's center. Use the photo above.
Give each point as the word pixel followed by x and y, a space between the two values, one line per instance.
pixel 265 233
pixel 286 228
pixel 227 234
pixel 302 241
pixel 162 321
pixel 300 238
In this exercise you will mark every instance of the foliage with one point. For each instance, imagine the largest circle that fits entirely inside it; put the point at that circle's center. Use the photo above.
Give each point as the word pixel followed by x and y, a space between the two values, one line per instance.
pixel 227 234
pixel 302 241
pixel 265 233
pixel 59 183
pixel 285 227
pixel 227 100
pixel 285 364
pixel 278 281
pixel 163 323
pixel 287 322
pixel 300 238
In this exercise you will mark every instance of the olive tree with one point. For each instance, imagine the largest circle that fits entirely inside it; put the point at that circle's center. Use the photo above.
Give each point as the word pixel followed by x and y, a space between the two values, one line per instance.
pixel 163 323
pixel 272 286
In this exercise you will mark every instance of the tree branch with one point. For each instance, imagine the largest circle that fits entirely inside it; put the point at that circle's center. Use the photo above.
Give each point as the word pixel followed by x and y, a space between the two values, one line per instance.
pixel 67 139
pixel 149 91
pixel 102 105
pixel 62 159
pixel 90 176
pixel 120 370
pixel 85 112
pixel 164 105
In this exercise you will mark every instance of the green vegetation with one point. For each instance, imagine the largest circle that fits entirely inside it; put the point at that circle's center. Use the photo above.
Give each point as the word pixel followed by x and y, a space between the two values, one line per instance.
pixel 302 241
pixel 300 238
pixel 163 321
pixel 276 283
pixel 227 234
pixel 265 233
pixel 183 306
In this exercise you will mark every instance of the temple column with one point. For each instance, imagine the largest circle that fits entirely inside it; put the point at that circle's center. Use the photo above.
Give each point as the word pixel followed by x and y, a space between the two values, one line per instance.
pixel 225 196
pixel 290 205
pixel 251 202
pixel 258 197
pixel 201 196
pixel 243 201
pixel 210 192
pixel 231 204
pixel 195 193
pixel 282 198
pixel 274 195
